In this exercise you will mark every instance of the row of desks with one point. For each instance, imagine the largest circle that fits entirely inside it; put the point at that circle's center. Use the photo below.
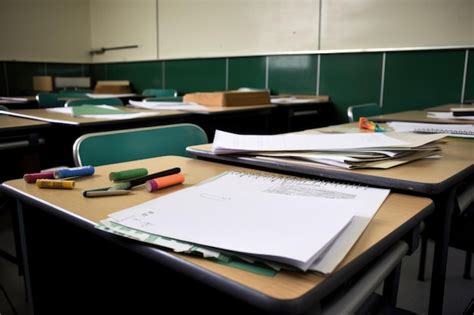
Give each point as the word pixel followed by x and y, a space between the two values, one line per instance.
pixel 437 179
pixel 289 292
pixel 61 130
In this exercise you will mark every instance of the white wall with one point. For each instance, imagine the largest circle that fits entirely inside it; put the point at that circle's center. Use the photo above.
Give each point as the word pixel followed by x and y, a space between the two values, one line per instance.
pixel 44 30
pixel 202 28
pixel 66 30
pixel 123 23
pixel 352 24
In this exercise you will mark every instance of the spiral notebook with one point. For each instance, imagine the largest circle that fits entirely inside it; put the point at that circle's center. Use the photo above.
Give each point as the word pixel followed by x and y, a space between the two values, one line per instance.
pixel 452 130
pixel 305 224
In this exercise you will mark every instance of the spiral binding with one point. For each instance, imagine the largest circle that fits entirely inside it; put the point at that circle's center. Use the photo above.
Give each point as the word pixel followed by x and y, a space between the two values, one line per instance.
pixel 299 180
pixel 437 130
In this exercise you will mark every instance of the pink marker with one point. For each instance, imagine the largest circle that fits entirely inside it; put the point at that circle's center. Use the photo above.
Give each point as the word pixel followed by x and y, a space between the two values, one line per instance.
pixel 31 178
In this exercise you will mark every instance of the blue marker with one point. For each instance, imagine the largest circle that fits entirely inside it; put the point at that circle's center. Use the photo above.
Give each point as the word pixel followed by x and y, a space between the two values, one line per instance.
pixel 74 172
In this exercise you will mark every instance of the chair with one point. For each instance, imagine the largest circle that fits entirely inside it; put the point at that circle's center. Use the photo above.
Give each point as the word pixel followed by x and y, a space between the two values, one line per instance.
pixel 134 144
pixel 94 101
pixel 354 112
pixel 177 99
pixel 4 108
pixel 461 236
pixel 159 92
pixel 47 100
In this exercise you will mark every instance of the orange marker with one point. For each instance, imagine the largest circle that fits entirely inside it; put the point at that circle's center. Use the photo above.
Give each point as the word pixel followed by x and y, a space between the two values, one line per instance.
pixel 162 182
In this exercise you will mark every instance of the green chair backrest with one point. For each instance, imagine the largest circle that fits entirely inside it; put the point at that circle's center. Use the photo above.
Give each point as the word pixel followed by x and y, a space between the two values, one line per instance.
pixel 72 94
pixel 74 90
pixel 159 92
pixel 165 99
pixel 134 144
pixel 46 100
pixel 354 112
pixel 94 101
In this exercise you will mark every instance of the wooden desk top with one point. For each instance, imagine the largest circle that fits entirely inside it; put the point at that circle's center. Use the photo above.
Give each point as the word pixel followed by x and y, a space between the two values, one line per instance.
pixel 14 123
pixel 425 175
pixel 417 116
pixel 398 215
pixel 54 117
pixel 447 107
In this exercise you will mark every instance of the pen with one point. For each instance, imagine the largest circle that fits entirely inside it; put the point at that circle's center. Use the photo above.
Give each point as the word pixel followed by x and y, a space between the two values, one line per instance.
pixel 144 179
pixel 115 190
pixel 102 193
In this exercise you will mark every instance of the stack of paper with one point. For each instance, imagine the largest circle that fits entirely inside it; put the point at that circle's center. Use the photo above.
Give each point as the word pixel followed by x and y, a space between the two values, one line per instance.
pixel 189 107
pixel 351 150
pixel 97 111
pixel 256 217
pixel 449 115
pixel 452 130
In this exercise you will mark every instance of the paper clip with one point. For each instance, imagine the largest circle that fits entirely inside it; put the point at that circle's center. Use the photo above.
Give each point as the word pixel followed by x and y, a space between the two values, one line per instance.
pixel 364 123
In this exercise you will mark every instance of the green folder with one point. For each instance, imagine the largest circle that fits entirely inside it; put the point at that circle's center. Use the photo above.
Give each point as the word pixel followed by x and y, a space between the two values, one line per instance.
pixel 95 110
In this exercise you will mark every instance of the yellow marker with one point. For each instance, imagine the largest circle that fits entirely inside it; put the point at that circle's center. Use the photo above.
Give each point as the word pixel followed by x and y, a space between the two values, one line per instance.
pixel 55 183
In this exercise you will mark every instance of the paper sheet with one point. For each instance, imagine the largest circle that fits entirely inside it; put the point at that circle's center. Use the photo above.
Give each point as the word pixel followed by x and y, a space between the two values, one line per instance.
pixel 225 142
pixel 189 107
pixel 256 215
pixel 448 115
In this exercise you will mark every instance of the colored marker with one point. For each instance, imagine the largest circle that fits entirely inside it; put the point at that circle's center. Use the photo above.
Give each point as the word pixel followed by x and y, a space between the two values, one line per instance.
pixel 128 174
pixel 144 179
pixel 74 172
pixel 31 178
pixel 55 184
pixel 104 193
pixel 162 182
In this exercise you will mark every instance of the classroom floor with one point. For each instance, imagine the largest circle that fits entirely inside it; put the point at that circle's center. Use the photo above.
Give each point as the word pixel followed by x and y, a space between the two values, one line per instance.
pixel 413 294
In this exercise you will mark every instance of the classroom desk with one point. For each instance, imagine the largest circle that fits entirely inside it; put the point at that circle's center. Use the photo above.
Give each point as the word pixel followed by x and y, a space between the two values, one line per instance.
pixel 69 262
pixel 435 178
pixel 19 102
pixel 300 112
pixel 65 129
pixel 417 116
pixel 254 119
pixel 447 107
pixel 19 143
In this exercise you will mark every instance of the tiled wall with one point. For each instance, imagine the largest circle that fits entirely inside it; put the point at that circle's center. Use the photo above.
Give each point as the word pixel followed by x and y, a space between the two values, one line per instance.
pixel 16 77
pixel 400 80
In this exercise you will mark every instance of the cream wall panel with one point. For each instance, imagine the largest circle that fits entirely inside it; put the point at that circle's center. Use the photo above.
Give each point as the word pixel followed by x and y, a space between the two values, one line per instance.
pixel 207 28
pixel 45 30
pixel 348 24
pixel 123 23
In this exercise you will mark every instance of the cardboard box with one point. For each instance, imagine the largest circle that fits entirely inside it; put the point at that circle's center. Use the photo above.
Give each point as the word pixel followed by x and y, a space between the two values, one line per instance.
pixel 43 83
pixel 229 98
pixel 113 87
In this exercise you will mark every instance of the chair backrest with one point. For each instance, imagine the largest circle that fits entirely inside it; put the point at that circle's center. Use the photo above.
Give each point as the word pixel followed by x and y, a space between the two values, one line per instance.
pixel 72 94
pixel 354 112
pixel 94 101
pixel 159 92
pixel 134 144
pixel 46 100
pixel 164 99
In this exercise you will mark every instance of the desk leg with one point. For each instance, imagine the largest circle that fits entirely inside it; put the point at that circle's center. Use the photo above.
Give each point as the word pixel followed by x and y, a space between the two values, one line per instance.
pixel 445 208
pixel 24 256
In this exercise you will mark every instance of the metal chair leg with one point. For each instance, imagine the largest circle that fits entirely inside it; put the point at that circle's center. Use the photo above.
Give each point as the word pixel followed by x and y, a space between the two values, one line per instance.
pixel 422 262
pixel 467 266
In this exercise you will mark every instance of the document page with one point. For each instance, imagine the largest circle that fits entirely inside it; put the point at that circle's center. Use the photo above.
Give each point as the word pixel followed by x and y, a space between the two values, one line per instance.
pixel 287 220
pixel 225 142
pixel 191 107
